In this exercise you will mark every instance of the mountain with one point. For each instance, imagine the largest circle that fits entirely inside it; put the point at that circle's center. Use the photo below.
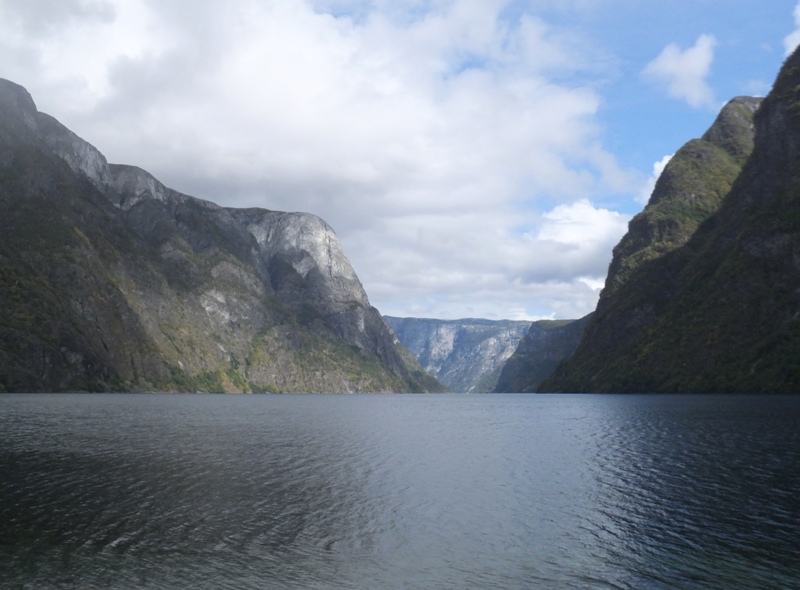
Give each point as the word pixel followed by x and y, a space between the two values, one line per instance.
pixel 690 189
pixel 713 306
pixel 465 355
pixel 546 345
pixel 110 281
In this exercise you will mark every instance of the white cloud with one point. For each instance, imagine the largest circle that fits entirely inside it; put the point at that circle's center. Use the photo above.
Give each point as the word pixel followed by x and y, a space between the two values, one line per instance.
pixel 647 189
pixel 792 40
pixel 577 239
pixel 558 258
pixel 426 133
pixel 684 73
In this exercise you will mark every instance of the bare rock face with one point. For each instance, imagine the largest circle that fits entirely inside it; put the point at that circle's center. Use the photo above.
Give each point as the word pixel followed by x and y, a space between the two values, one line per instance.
pixel 465 355
pixel 133 185
pixel 112 281
pixel 307 244
pixel 81 156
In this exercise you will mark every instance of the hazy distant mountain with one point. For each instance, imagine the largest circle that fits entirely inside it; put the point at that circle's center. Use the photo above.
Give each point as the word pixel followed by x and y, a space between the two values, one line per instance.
pixel 111 281
pixel 703 294
pixel 465 355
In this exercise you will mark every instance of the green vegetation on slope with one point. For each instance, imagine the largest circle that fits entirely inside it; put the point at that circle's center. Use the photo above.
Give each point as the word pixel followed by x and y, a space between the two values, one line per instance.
pixel 691 188
pixel 722 312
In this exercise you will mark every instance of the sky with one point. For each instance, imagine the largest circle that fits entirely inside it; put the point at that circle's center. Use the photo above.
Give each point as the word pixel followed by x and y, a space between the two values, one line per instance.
pixel 476 158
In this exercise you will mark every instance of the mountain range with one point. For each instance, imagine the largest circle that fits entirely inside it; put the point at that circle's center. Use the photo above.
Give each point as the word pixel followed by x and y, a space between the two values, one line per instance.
pixel 111 281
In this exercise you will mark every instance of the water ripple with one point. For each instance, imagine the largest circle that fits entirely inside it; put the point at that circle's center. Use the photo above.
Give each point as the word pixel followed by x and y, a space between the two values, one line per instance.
pixel 434 492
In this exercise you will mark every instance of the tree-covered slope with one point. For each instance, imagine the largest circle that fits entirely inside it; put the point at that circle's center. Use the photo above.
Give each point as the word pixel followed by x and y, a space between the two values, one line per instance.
pixel 690 189
pixel 720 313
pixel 111 281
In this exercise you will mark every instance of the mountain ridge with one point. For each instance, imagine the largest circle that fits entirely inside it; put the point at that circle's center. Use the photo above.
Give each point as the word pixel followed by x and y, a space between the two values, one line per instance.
pixel 721 312
pixel 113 281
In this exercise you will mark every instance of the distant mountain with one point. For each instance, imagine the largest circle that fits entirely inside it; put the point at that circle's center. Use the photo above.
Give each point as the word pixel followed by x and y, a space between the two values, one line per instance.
pixel 703 293
pixel 545 346
pixel 111 281
pixel 465 355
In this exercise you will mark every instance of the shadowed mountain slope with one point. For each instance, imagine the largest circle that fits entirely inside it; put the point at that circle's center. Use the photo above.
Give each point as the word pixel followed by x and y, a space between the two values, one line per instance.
pixel 111 281
pixel 718 311
pixel 546 345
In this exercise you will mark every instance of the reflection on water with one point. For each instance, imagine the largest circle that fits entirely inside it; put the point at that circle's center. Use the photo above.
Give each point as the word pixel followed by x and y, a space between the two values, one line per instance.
pixel 445 491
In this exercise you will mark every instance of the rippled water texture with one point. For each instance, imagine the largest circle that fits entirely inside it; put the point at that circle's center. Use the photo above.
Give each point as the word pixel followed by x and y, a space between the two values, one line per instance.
pixel 373 492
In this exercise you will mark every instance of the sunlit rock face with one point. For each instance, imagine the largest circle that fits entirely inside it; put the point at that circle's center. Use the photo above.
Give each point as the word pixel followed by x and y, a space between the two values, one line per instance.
pixel 465 355
pixel 111 281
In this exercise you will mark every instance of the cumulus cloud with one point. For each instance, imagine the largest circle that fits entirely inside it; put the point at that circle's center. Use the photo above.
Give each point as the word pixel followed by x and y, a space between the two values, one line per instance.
pixel 684 73
pixel 792 40
pixel 535 264
pixel 438 138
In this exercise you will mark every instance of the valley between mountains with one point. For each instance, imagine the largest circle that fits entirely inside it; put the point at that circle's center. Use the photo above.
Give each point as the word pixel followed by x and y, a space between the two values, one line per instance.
pixel 110 281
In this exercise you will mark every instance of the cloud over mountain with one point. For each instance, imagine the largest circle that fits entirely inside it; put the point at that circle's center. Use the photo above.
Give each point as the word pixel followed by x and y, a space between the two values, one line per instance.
pixel 435 137
pixel 684 73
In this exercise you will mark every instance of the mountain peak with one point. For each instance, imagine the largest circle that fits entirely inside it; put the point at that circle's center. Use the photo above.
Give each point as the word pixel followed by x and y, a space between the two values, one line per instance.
pixel 14 97
pixel 734 130
pixel 718 311
pixel 690 189
pixel 17 112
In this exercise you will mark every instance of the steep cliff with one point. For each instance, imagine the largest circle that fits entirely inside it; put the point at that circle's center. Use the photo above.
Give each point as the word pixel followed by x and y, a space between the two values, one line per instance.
pixel 465 355
pixel 111 281
pixel 546 345
pixel 690 189
pixel 721 312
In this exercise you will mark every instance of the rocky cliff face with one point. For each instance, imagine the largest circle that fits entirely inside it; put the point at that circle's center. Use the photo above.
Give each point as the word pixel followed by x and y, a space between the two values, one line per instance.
pixel 546 345
pixel 465 355
pixel 111 281
pixel 719 311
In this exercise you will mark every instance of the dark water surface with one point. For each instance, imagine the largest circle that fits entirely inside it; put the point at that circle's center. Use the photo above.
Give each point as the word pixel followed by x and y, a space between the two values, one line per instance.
pixel 373 492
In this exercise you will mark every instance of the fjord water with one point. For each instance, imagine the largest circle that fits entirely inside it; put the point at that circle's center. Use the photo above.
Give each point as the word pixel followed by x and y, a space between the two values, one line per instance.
pixel 434 491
